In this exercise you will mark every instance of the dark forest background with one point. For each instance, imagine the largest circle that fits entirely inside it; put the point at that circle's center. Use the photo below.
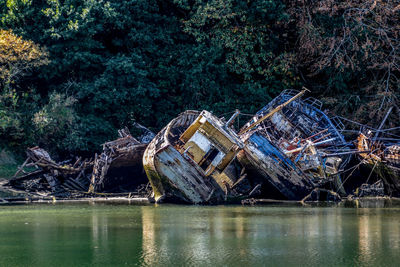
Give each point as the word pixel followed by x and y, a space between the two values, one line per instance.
pixel 74 71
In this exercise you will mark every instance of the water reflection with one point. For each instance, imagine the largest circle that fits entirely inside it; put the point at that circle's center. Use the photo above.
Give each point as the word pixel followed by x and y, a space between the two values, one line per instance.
pixel 183 235
pixel 252 235
pixel 99 244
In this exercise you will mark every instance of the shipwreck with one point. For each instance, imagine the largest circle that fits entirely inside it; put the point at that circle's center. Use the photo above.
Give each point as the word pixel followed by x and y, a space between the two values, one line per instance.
pixel 189 161
pixel 294 146
pixel 290 150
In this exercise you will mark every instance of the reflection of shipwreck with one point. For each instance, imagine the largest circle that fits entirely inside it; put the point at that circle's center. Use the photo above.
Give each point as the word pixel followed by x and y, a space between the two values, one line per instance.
pixel 294 146
pixel 186 160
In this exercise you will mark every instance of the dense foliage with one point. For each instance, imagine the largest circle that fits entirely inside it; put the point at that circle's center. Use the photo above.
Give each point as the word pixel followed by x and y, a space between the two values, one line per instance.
pixel 80 69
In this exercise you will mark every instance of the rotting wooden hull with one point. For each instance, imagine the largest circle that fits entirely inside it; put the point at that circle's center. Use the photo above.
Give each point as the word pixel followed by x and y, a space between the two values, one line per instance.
pixel 132 158
pixel 390 176
pixel 119 167
pixel 391 179
pixel 174 179
pixel 173 176
pixel 388 172
pixel 260 156
pixel 126 171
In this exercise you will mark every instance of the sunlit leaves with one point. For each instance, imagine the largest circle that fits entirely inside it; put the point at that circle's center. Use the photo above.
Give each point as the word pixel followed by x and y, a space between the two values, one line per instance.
pixel 17 56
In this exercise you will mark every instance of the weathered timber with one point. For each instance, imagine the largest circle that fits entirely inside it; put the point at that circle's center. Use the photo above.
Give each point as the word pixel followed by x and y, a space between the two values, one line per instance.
pixel 119 167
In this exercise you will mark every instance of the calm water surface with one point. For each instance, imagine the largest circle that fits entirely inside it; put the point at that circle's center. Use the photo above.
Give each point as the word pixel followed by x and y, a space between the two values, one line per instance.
pixel 109 235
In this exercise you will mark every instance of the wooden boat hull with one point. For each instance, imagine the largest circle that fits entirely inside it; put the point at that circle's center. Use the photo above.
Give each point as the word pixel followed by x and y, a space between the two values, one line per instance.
pixel 126 171
pixel 260 156
pixel 174 175
pixel 173 178
pixel 391 180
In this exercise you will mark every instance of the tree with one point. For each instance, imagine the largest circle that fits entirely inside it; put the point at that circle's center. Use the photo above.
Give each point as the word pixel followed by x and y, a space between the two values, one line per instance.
pixel 351 49
pixel 17 58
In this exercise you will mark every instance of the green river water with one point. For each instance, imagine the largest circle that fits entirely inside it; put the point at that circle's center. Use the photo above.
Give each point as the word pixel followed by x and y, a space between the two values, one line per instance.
pixel 172 235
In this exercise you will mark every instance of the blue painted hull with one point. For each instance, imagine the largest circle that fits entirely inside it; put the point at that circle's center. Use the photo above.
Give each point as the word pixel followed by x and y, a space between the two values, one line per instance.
pixel 265 159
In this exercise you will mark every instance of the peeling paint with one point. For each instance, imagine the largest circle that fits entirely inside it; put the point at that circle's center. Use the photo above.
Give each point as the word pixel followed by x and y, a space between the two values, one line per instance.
pixel 185 162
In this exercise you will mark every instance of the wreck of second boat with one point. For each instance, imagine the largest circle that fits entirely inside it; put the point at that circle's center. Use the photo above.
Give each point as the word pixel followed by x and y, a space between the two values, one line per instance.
pixel 295 146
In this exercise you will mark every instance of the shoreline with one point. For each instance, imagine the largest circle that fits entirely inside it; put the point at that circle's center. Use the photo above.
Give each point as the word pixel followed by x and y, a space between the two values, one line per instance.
pixel 27 200
pixel 353 202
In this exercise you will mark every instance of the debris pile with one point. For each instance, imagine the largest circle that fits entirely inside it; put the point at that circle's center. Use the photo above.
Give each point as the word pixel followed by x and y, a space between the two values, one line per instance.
pixel 49 177
pixel 370 190
pixel 116 171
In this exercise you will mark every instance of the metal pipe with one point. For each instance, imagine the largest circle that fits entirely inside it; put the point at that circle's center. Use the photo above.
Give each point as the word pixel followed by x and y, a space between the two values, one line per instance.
pixel 383 122
pixel 325 141
pixel 322 137
pixel 345 153
pixel 314 135
pixel 232 119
